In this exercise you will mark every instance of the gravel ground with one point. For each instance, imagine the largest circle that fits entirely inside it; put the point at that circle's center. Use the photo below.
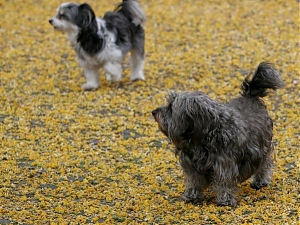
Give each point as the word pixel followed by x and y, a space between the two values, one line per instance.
pixel 74 157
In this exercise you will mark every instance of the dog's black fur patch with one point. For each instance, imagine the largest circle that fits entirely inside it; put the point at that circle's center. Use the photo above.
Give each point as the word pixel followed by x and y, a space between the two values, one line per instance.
pixel 89 39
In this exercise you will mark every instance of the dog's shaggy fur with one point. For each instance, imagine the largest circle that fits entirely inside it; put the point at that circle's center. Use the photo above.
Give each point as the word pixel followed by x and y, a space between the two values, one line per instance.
pixel 222 144
pixel 104 42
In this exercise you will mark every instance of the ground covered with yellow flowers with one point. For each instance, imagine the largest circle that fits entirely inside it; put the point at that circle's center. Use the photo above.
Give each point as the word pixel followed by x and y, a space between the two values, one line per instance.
pixel 74 157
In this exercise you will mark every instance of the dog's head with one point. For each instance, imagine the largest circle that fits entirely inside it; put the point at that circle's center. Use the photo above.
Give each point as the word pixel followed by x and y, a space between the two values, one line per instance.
pixel 194 118
pixel 183 115
pixel 70 17
pixel 163 115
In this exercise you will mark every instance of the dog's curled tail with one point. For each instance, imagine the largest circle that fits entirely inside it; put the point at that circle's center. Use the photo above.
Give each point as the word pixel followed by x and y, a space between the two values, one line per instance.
pixel 133 11
pixel 264 79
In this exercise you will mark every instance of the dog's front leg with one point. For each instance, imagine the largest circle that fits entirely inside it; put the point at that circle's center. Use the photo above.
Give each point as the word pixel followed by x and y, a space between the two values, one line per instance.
pixel 195 182
pixel 92 78
pixel 113 70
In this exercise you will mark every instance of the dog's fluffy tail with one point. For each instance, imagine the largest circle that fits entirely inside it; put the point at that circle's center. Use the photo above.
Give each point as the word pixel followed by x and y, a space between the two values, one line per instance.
pixel 264 79
pixel 133 11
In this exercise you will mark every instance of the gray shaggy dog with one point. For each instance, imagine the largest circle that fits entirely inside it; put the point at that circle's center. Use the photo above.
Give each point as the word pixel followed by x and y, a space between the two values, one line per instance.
pixel 222 144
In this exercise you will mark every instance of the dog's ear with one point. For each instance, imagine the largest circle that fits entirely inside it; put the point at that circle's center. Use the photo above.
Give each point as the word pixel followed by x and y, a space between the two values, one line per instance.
pixel 198 108
pixel 171 96
pixel 182 124
pixel 213 124
pixel 192 108
pixel 181 131
pixel 86 15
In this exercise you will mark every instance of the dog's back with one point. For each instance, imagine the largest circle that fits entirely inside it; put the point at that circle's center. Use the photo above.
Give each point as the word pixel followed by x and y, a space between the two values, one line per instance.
pixel 126 21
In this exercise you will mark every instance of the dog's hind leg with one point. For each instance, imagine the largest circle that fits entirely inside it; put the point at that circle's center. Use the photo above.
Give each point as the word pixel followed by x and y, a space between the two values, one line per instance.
pixel 262 176
pixel 137 57
pixel 137 65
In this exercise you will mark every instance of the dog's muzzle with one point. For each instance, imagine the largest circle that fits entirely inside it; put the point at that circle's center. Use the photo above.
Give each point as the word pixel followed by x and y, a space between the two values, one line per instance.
pixel 51 22
pixel 154 113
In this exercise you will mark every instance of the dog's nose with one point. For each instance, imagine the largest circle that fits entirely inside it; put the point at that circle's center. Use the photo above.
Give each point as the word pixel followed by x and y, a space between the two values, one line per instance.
pixel 154 112
pixel 50 21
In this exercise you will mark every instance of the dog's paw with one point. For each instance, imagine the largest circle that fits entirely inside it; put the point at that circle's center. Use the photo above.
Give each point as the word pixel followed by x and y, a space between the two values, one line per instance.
pixel 115 79
pixel 137 79
pixel 228 202
pixel 258 184
pixel 192 195
pixel 89 86
pixel 108 77
pixel 226 199
pixel 134 78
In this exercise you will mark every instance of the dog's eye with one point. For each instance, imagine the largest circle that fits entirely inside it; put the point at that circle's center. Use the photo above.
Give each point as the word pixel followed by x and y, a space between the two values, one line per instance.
pixel 61 16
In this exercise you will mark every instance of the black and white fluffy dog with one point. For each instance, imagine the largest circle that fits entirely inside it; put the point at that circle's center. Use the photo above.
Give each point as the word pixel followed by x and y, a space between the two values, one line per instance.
pixel 222 144
pixel 104 42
